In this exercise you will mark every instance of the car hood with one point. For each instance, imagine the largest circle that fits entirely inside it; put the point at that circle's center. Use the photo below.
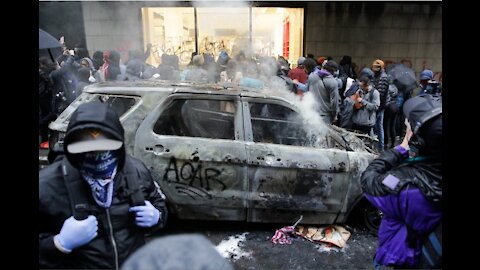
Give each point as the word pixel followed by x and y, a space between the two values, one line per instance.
pixel 354 141
pixel 61 123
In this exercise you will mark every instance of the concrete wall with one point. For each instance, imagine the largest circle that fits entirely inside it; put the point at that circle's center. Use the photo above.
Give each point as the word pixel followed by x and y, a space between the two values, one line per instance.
pixel 113 26
pixel 394 32
pixel 406 32
pixel 52 17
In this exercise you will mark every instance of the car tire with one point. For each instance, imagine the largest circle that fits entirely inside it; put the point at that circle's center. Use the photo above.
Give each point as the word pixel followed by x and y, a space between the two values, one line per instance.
pixel 372 217
pixel 55 147
pixel 52 139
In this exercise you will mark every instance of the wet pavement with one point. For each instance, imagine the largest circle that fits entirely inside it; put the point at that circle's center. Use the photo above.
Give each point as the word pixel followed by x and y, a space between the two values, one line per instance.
pixel 248 246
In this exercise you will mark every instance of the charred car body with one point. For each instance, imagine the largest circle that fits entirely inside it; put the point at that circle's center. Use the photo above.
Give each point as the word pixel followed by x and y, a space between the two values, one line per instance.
pixel 226 153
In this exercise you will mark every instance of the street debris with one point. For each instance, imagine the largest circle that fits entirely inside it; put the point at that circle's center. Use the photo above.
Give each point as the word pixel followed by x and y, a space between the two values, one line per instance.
pixel 232 247
pixel 282 236
pixel 330 237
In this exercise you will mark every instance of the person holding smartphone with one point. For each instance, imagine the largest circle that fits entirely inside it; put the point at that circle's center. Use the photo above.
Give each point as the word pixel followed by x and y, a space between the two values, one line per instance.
pixel 405 184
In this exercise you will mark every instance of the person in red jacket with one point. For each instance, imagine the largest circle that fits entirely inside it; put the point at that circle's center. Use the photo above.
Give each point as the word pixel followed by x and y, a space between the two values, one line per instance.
pixel 298 74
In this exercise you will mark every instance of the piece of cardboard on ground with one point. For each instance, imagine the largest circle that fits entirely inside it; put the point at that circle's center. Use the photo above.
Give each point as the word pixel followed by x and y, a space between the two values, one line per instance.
pixel 332 234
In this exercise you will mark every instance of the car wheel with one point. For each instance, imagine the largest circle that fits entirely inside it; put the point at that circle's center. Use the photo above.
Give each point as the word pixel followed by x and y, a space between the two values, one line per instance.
pixel 372 217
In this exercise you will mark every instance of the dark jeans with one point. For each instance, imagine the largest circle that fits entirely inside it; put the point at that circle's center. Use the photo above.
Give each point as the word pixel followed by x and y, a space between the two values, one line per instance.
pixel 379 129
pixel 390 124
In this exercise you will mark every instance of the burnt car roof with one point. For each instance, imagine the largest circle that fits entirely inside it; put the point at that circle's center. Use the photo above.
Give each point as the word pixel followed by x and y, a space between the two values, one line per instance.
pixel 130 87
pixel 166 88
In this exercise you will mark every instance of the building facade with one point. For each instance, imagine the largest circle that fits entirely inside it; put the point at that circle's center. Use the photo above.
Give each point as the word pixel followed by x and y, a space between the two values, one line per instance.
pixel 407 32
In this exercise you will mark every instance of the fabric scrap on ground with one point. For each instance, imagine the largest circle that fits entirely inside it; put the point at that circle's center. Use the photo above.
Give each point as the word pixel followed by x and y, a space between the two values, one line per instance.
pixel 283 236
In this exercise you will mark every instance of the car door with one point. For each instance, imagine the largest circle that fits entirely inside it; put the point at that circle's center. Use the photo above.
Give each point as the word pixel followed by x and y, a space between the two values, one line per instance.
pixel 291 171
pixel 193 144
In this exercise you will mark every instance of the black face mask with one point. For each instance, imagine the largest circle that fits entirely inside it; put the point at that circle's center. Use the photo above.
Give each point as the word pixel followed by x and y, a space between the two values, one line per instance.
pixel 416 145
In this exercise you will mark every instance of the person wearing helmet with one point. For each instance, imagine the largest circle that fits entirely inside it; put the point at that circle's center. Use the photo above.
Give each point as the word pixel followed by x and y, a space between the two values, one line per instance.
pixel 426 76
pixel 433 88
pixel 405 184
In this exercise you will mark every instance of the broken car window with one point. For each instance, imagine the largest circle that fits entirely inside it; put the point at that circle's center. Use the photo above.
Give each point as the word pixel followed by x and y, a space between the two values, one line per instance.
pixel 119 104
pixel 272 123
pixel 197 118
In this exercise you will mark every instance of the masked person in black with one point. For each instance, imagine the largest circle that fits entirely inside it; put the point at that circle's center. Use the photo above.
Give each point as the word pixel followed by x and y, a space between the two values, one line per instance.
pixel 405 184
pixel 96 202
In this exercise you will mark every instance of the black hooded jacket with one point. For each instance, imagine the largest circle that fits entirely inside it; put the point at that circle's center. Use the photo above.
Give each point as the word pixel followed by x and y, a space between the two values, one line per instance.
pixel 118 235
pixel 426 175
pixel 381 82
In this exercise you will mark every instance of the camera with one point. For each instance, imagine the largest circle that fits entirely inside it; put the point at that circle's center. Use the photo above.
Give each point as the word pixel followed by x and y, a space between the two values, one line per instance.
pixel 433 87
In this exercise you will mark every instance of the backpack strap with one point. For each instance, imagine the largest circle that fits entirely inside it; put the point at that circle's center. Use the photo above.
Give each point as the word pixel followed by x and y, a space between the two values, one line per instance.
pixel 132 175
pixel 76 190
pixel 431 256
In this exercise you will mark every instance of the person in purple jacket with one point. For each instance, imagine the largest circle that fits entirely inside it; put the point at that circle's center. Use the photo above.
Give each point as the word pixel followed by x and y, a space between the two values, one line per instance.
pixel 405 184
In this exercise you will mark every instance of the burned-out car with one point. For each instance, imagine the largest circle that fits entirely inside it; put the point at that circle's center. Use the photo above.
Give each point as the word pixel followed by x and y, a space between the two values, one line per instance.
pixel 227 153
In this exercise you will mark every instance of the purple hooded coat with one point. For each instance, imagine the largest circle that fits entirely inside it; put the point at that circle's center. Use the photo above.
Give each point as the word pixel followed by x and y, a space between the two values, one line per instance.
pixel 409 196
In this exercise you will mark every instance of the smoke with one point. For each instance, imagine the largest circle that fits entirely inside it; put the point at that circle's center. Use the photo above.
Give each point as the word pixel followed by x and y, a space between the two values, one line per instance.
pixel 264 76
pixel 313 125
pixel 313 122
pixel 217 20
pixel 63 19
pixel 114 26
pixel 221 4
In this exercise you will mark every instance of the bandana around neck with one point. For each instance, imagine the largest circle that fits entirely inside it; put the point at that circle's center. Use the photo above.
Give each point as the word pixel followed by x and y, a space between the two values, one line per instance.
pixel 99 169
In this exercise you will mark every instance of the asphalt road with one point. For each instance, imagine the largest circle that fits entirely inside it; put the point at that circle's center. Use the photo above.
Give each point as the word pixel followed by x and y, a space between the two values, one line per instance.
pixel 248 246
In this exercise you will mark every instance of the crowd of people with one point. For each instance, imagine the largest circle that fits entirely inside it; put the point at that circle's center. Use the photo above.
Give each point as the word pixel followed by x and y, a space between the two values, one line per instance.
pixel 97 203
pixel 335 87
pixel 405 181
pixel 370 102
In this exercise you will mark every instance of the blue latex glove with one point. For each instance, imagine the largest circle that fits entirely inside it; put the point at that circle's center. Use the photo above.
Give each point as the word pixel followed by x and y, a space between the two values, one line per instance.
pixel 75 233
pixel 146 215
pixel 302 87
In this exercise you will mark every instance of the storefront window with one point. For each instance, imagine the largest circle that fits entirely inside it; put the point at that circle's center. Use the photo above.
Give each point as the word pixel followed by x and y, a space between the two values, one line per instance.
pixel 170 31
pixel 278 31
pixel 274 32
pixel 223 29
